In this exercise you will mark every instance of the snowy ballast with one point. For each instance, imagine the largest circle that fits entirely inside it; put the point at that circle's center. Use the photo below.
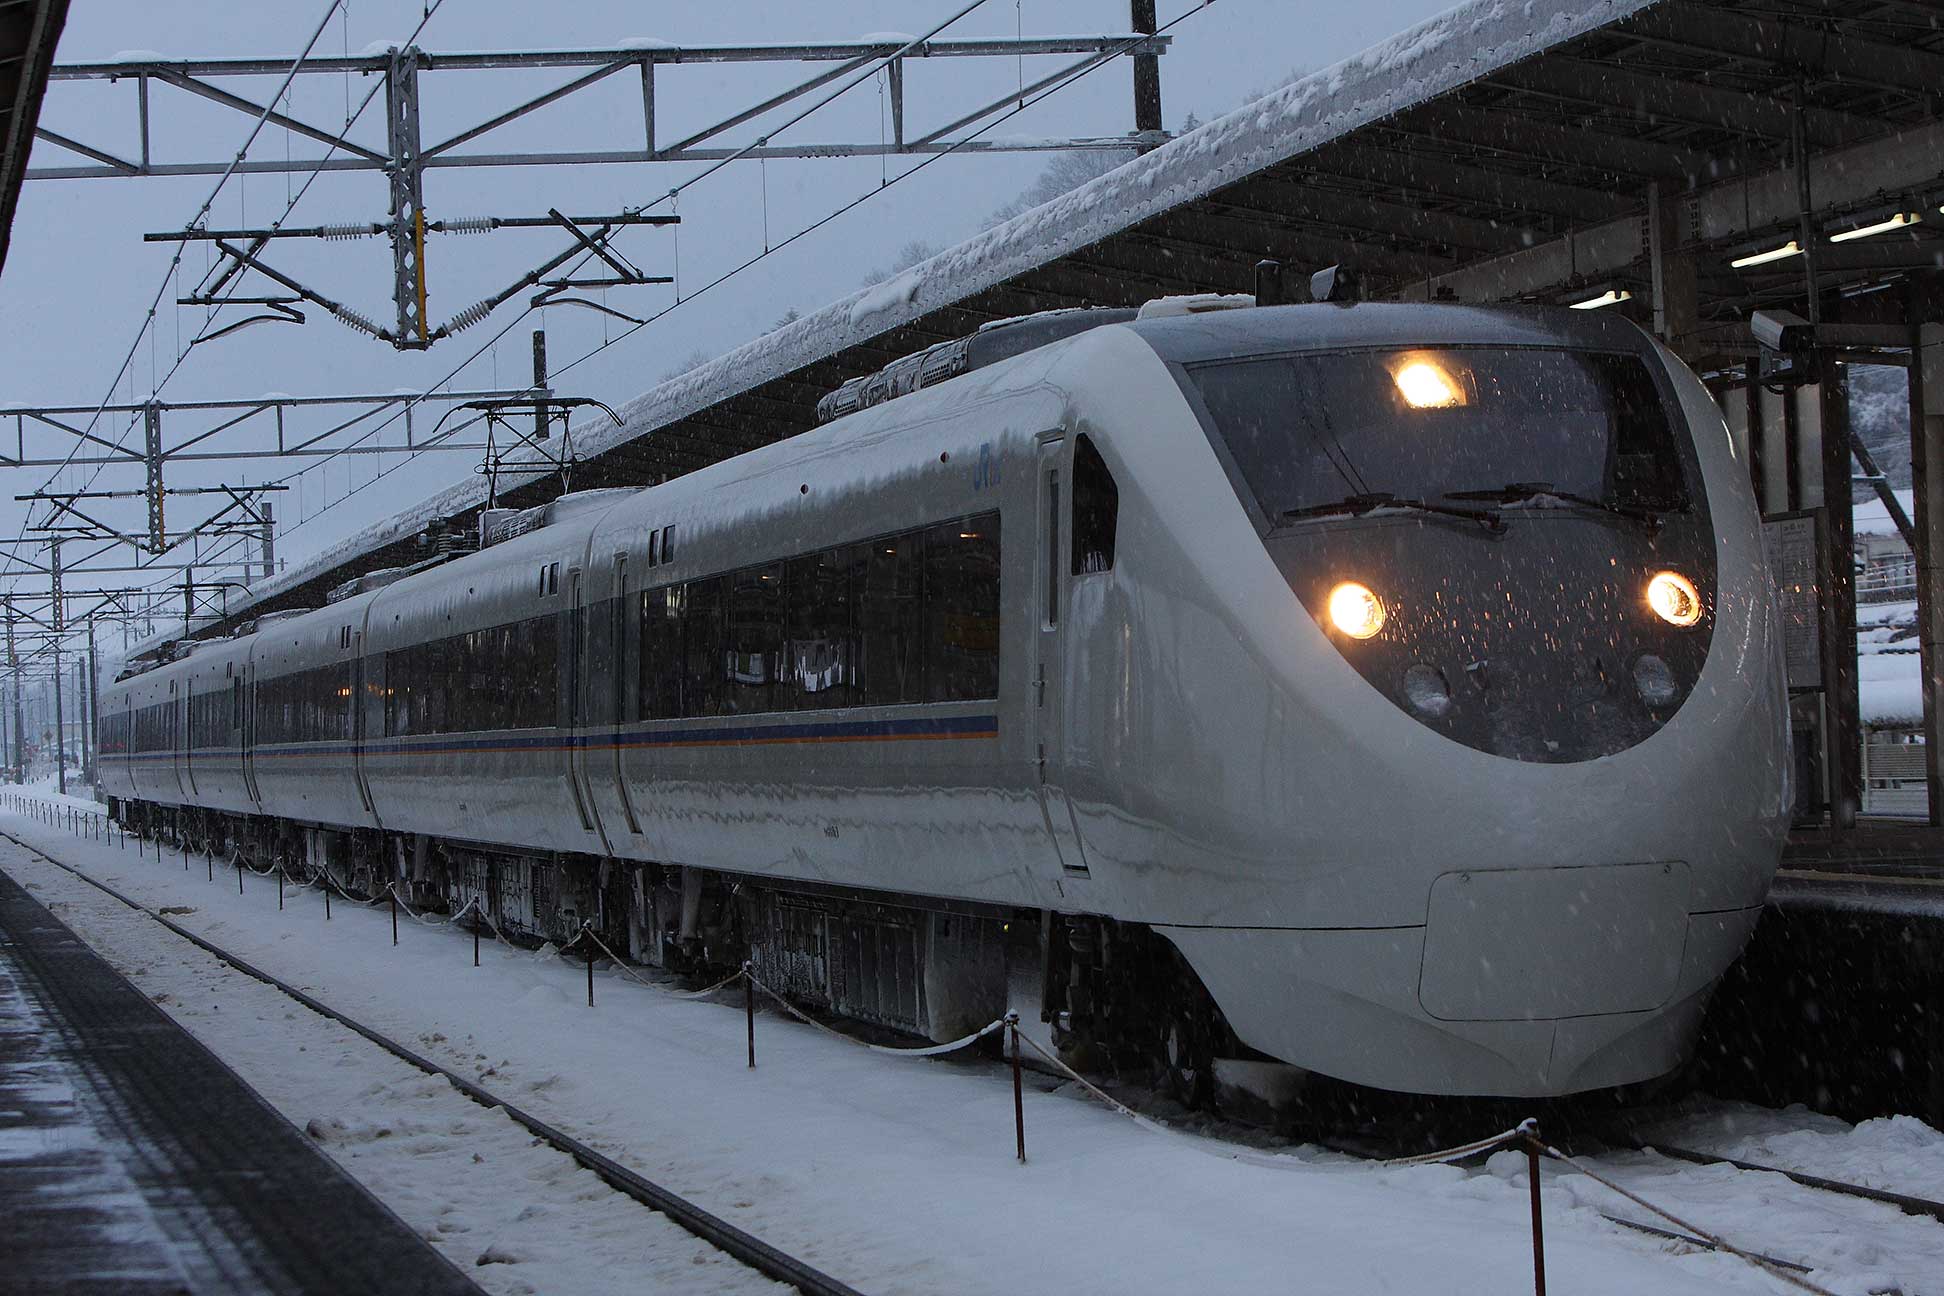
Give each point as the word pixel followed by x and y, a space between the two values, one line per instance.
pixel 1453 49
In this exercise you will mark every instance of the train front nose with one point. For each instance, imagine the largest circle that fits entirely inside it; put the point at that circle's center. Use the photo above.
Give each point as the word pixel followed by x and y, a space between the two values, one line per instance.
pixel 1561 726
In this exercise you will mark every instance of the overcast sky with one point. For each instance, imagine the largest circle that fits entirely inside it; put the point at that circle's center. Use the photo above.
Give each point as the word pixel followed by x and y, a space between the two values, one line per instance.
pixel 79 278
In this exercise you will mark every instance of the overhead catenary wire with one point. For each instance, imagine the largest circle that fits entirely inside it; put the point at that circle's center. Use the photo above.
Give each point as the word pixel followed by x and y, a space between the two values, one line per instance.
pixel 172 275
pixel 1088 67
pixel 209 202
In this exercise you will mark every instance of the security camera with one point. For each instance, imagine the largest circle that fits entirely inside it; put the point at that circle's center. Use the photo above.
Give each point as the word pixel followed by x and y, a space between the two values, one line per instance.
pixel 1781 330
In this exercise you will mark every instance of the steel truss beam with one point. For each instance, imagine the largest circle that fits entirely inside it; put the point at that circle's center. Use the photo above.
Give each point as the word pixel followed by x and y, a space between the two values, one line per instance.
pixel 405 156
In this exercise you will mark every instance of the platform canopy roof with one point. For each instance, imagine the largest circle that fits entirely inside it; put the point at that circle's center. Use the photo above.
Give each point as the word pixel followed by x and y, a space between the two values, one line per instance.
pixel 1507 150
pixel 28 32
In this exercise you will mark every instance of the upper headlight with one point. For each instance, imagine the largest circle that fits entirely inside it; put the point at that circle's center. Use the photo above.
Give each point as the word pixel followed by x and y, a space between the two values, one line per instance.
pixel 1426 384
pixel 1355 610
pixel 1673 598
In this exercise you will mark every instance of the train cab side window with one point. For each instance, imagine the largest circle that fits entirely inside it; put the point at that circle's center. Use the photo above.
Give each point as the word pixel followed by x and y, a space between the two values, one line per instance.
pixel 668 544
pixel 1096 510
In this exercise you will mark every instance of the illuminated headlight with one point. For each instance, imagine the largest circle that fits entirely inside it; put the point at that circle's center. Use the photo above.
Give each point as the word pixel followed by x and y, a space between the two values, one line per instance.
pixel 1673 598
pixel 1355 610
pixel 1426 384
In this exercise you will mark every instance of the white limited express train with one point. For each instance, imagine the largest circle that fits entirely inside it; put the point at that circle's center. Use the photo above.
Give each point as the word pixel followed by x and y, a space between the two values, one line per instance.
pixel 1388 690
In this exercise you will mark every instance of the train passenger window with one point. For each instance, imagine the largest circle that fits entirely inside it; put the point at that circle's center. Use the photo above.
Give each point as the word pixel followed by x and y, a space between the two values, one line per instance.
pixel 1096 510
pixel 755 638
pixel 961 610
pixel 820 631
pixel 668 543
pixel 660 694
pixel 911 617
pixel 888 620
pixel 703 642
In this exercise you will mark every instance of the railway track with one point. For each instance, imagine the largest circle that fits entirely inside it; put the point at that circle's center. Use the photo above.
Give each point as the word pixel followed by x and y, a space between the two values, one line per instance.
pixel 778 1265
pixel 1903 1201
pixel 745 1247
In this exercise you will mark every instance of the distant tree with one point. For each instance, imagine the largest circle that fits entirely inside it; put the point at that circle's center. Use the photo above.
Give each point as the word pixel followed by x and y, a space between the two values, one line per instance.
pixel 789 316
pixel 693 360
pixel 1064 173
pixel 907 256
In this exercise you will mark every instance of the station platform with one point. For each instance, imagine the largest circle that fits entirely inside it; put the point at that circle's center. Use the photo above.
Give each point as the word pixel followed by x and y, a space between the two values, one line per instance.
pixel 1873 848
pixel 133 1161
pixel 1838 1001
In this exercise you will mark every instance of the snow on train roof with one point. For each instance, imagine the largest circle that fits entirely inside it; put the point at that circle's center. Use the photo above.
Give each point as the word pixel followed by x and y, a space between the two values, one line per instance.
pixel 1439 55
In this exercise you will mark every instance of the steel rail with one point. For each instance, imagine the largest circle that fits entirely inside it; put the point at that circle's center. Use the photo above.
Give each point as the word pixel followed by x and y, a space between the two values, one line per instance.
pixel 718 1232
pixel 1903 1201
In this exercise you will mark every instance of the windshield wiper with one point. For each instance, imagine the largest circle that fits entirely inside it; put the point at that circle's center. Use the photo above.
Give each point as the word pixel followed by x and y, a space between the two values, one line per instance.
pixel 1371 501
pixel 1535 492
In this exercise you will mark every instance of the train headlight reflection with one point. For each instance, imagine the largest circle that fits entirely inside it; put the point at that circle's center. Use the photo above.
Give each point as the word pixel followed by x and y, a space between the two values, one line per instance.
pixel 1356 610
pixel 1673 598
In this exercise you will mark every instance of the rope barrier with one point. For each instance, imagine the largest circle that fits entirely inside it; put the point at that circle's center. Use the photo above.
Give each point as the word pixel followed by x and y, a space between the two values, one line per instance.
pixel 932 1050
pixel 1510 1138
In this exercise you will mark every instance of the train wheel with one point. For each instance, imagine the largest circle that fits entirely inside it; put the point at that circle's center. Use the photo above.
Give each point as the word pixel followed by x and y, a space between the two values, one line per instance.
pixel 1187 1060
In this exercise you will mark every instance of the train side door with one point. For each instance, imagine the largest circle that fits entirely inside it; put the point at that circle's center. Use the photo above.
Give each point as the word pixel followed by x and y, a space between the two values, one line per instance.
pixel 1049 665
pixel 249 732
pixel 359 721
pixel 189 735
pixel 578 709
pixel 172 734
pixel 621 676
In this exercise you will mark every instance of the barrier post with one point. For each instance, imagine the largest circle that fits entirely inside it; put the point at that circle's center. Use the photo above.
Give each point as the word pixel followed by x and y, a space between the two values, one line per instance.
pixel 327 900
pixel 279 886
pixel 1530 1128
pixel 1019 1099
pixel 475 933
pixel 209 866
pixel 749 1010
pixel 239 874
pixel 589 953
pixel 392 891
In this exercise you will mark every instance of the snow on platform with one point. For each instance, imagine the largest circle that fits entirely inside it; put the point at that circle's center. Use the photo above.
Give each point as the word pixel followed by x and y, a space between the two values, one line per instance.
pixel 895 1175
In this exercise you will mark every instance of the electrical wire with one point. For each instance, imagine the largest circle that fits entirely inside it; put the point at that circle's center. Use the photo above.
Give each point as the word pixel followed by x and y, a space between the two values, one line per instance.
pixel 172 274
pixel 1022 106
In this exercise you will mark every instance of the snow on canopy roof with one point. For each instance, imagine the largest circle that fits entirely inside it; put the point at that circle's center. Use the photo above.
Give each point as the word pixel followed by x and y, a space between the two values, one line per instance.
pixel 1439 55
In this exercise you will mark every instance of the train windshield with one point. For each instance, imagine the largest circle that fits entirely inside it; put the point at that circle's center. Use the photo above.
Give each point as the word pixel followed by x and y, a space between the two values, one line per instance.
pixel 1444 424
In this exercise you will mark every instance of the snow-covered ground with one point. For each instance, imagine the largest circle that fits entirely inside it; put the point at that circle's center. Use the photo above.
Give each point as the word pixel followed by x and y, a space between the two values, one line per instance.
pixel 895 1175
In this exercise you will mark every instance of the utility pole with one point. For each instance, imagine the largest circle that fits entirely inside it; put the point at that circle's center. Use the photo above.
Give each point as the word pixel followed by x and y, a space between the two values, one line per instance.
pixel 54 644
pixel 13 665
pixel 91 736
pixel 540 383
pixel 269 540
pixel 1147 74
